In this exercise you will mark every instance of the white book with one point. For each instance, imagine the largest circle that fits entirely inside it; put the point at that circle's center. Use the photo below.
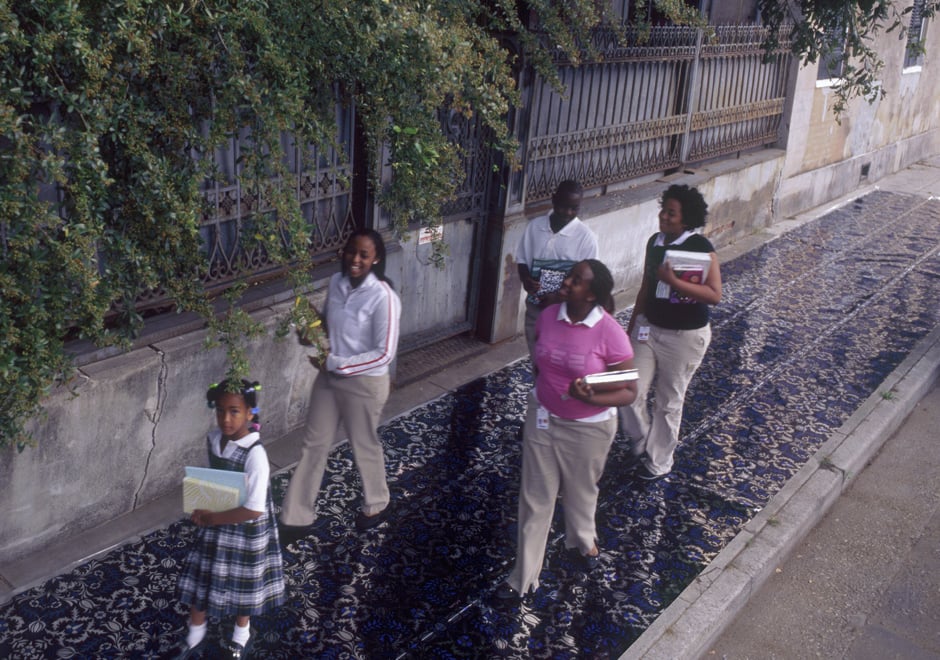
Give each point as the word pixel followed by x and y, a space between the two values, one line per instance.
pixel 611 377
pixel 213 490
pixel 691 266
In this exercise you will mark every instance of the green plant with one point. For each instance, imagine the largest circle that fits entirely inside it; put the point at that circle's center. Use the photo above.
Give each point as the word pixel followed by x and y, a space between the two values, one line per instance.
pixel 111 111
pixel 846 30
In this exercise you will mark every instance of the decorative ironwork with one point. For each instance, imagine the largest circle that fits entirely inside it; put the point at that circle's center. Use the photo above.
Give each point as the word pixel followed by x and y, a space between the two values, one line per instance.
pixel 647 106
pixel 476 158
pixel 323 193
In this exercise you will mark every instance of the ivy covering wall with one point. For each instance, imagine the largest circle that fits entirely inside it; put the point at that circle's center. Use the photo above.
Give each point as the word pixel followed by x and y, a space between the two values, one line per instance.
pixel 110 111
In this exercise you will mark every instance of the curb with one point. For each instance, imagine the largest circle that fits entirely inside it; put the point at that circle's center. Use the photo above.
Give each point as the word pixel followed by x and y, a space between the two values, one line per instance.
pixel 695 620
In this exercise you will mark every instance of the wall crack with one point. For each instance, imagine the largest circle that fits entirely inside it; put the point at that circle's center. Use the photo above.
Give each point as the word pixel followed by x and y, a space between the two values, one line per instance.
pixel 154 417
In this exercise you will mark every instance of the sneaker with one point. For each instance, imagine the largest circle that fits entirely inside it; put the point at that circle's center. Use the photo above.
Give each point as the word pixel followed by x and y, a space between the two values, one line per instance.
pixel 644 473
pixel 364 522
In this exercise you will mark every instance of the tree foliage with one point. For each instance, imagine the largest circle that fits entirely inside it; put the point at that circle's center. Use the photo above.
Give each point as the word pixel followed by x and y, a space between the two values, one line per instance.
pixel 845 30
pixel 111 111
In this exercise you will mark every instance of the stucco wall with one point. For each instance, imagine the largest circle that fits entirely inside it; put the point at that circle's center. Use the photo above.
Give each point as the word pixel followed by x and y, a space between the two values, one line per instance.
pixel 740 194
pixel 827 156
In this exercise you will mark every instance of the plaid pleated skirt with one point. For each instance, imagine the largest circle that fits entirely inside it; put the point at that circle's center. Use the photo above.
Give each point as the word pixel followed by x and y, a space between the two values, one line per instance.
pixel 234 569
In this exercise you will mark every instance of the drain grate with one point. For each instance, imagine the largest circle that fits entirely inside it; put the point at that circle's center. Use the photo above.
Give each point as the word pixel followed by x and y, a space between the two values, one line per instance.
pixel 422 362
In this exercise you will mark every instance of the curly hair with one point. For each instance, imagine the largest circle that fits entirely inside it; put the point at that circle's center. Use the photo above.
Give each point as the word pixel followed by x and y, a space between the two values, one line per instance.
pixel 694 207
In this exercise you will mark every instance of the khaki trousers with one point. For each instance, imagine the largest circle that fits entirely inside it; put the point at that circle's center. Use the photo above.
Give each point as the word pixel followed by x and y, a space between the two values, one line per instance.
pixel 531 316
pixel 568 457
pixel 667 362
pixel 356 402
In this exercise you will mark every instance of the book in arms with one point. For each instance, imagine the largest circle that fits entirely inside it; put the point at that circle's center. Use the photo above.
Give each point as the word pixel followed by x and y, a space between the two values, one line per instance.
pixel 689 266
pixel 550 273
pixel 611 376
pixel 213 490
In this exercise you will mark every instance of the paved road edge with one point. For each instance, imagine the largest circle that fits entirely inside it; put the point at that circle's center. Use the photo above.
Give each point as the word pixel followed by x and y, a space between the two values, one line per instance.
pixel 691 624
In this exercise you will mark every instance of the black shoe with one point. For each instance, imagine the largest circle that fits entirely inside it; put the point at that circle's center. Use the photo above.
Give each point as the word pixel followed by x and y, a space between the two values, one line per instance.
pixel 507 594
pixel 184 651
pixel 288 534
pixel 643 473
pixel 364 522
pixel 632 460
pixel 584 563
pixel 236 651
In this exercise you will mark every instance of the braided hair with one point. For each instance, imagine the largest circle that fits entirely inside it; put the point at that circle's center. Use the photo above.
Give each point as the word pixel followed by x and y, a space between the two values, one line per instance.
pixel 248 391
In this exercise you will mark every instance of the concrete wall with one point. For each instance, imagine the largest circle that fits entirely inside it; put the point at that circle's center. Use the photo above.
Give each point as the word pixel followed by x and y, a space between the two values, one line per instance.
pixel 740 193
pixel 122 438
pixel 826 156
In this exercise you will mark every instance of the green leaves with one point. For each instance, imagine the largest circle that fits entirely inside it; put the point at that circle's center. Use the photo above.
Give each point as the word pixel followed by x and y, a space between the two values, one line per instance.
pixel 846 30
pixel 111 112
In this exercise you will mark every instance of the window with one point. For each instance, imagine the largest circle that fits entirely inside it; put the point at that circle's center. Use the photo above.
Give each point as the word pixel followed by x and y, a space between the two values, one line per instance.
pixel 914 53
pixel 830 61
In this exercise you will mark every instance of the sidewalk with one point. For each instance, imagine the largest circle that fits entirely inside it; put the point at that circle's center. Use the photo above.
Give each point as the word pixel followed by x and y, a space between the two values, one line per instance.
pixel 787 588
pixel 781 380
pixel 864 582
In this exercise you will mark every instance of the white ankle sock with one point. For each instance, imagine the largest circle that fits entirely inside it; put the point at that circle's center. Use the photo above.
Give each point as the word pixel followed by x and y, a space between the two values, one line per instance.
pixel 240 635
pixel 196 634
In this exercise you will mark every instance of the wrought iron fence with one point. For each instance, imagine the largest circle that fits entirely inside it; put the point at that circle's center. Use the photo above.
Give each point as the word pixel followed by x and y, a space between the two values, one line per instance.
pixel 650 104
pixel 645 106
pixel 321 184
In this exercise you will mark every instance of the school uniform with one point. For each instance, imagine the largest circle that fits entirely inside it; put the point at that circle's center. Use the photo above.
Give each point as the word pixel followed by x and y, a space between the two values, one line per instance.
pixel 541 248
pixel 237 569
pixel 565 441
pixel 678 337
pixel 363 325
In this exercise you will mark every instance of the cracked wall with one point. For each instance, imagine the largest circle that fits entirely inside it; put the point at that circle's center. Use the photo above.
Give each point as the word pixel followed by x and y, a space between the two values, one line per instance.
pixel 137 420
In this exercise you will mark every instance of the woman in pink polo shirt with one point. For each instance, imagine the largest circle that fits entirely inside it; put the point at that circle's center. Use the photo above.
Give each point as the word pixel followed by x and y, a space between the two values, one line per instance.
pixel 570 424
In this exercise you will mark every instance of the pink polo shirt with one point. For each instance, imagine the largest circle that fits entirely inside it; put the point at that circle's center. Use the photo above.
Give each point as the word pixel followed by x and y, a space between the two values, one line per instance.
pixel 565 351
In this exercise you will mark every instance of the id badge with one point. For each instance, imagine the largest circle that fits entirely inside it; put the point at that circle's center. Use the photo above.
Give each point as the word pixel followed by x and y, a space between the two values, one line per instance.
pixel 643 333
pixel 541 418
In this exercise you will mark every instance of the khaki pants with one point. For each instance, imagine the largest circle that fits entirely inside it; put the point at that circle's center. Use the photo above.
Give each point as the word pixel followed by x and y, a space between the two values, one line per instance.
pixel 667 361
pixel 531 316
pixel 568 457
pixel 356 402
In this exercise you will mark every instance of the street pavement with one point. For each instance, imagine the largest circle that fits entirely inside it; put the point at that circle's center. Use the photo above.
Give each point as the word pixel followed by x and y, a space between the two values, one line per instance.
pixel 842 563
pixel 734 609
pixel 864 583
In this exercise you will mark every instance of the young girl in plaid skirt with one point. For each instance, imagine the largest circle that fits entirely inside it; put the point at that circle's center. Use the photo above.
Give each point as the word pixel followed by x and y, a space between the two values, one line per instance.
pixel 235 566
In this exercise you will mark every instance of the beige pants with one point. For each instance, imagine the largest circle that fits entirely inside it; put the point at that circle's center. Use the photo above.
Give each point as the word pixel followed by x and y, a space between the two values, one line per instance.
pixel 531 316
pixel 356 402
pixel 667 361
pixel 568 457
